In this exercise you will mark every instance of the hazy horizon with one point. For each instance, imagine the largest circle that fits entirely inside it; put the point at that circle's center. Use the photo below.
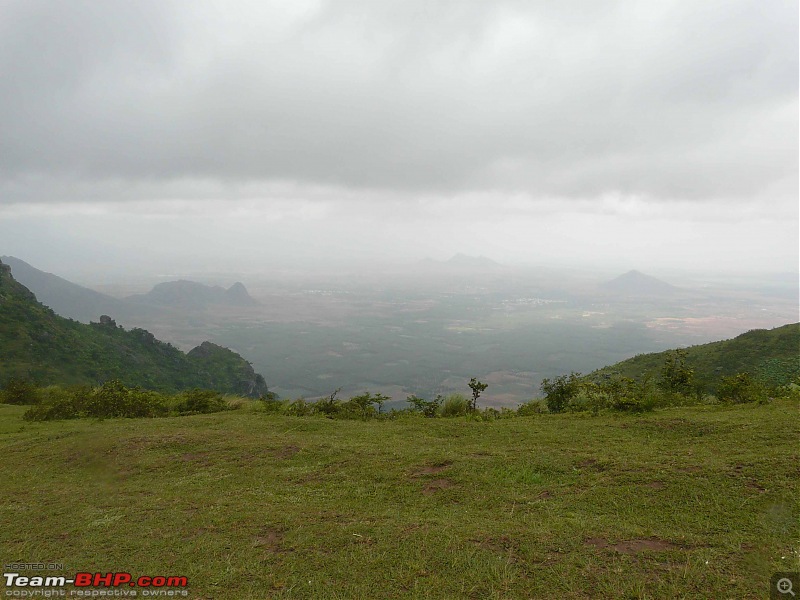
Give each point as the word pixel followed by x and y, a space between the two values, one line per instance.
pixel 169 138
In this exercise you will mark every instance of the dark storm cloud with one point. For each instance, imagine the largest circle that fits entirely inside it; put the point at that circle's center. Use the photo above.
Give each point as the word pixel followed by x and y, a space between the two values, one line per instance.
pixel 668 100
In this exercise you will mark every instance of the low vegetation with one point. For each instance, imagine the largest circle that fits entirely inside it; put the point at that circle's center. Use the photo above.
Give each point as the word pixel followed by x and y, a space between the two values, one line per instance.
pixel 566 393
pixel 110 400
pixel 684 502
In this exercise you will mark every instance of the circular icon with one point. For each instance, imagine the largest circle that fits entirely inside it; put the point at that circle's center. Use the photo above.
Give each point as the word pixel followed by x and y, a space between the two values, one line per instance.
pixel 785 586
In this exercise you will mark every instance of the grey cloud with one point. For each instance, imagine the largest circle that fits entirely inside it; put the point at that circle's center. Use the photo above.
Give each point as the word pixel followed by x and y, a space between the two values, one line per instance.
pixel 674 100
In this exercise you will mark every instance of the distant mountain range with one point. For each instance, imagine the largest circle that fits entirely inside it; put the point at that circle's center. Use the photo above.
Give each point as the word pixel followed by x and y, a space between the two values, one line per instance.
pixel 37 344
pixel 192 295
pixel 83 304
pixel 464 261
pixel 636 283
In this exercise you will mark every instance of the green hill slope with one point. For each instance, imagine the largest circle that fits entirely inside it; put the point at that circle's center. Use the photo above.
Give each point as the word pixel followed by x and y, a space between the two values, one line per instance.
pixel 773 356
pixel 36 343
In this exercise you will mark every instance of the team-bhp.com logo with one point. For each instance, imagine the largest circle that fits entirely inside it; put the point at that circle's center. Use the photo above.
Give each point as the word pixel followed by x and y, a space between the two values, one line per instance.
pixel 17 585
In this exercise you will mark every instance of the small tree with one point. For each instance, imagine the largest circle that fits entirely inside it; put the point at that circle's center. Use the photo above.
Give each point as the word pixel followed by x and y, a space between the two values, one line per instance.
pixel 676 376
pixel 428 408
pixel 741 388
pixel 19 391
pixel 477 388
pixel 560 391
pixel 328 406
pixel 363 404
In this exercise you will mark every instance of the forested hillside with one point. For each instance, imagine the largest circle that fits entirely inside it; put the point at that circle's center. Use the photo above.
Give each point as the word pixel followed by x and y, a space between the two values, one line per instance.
pixel 772 356
pixel 37 344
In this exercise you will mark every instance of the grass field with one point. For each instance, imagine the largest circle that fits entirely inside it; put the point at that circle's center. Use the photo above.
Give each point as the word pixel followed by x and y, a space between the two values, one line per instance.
pixel 696 502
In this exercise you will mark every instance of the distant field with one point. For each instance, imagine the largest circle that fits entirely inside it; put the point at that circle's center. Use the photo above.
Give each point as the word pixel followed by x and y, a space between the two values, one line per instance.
pixel 419 341
pixel 698 502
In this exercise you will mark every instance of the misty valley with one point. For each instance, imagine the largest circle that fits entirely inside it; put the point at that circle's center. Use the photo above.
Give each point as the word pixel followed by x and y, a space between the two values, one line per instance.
pixel 428 329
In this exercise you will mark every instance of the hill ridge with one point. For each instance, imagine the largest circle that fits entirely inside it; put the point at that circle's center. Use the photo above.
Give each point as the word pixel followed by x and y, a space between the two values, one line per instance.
pixel 40 345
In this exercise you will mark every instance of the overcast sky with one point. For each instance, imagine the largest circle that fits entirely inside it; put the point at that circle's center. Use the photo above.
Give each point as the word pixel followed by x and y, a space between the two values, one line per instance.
pixel 162 136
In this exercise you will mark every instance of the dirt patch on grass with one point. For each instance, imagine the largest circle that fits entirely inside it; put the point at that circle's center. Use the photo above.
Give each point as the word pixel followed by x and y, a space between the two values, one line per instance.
pixel 545 495
pixel 656 485
pixel 690 469
pixel 287 451
pixel 435 485
pixel 631 546
pixel 754 485
pixel 196 457
pixel 431 469
pixel 269 539
pixel 501 545
pixel 593 464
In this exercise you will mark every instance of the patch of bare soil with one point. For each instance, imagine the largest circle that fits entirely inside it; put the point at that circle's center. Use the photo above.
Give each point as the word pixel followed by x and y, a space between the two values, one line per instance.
pixel 431 469
pixel 287 451
pixel 754 485
pixel 270 539
pixel 632 546
pixel 656 485
pixel 690 469
pixel 435 485
pixel 592 463
pixel 502 545
pixel 196 457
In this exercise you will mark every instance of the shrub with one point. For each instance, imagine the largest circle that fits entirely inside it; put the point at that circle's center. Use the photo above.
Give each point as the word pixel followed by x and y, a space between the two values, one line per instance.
pixel 363 406
pixel 113 399
pixel 676 376
pixel 199 401
pixel 19 391
pixel 560 391
pixel 110 400
pixel 506 413
pixel 329 406
pixel 299 408
pixel 790 390
pixel 58 404
pixel 429 408
pixel 741 388
pixel 455 405
pixel 273 405
pixel 532 407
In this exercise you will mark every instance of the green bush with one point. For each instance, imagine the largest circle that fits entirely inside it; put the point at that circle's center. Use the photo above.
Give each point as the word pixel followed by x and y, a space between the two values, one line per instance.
pixel 741 388
pixel 455 405
pixel 532 407
pixel 111 400
pixel 676 375
pixel 560 391
pixel 363 406
pixel 273 405
pixel 199 401
pixel 329 407
pixel 58 404
pixel 299 408
pixel 19 391
pixel 429 408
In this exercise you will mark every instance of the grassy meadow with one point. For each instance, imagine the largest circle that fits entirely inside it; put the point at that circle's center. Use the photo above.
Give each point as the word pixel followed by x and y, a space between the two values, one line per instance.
pixel 689 502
